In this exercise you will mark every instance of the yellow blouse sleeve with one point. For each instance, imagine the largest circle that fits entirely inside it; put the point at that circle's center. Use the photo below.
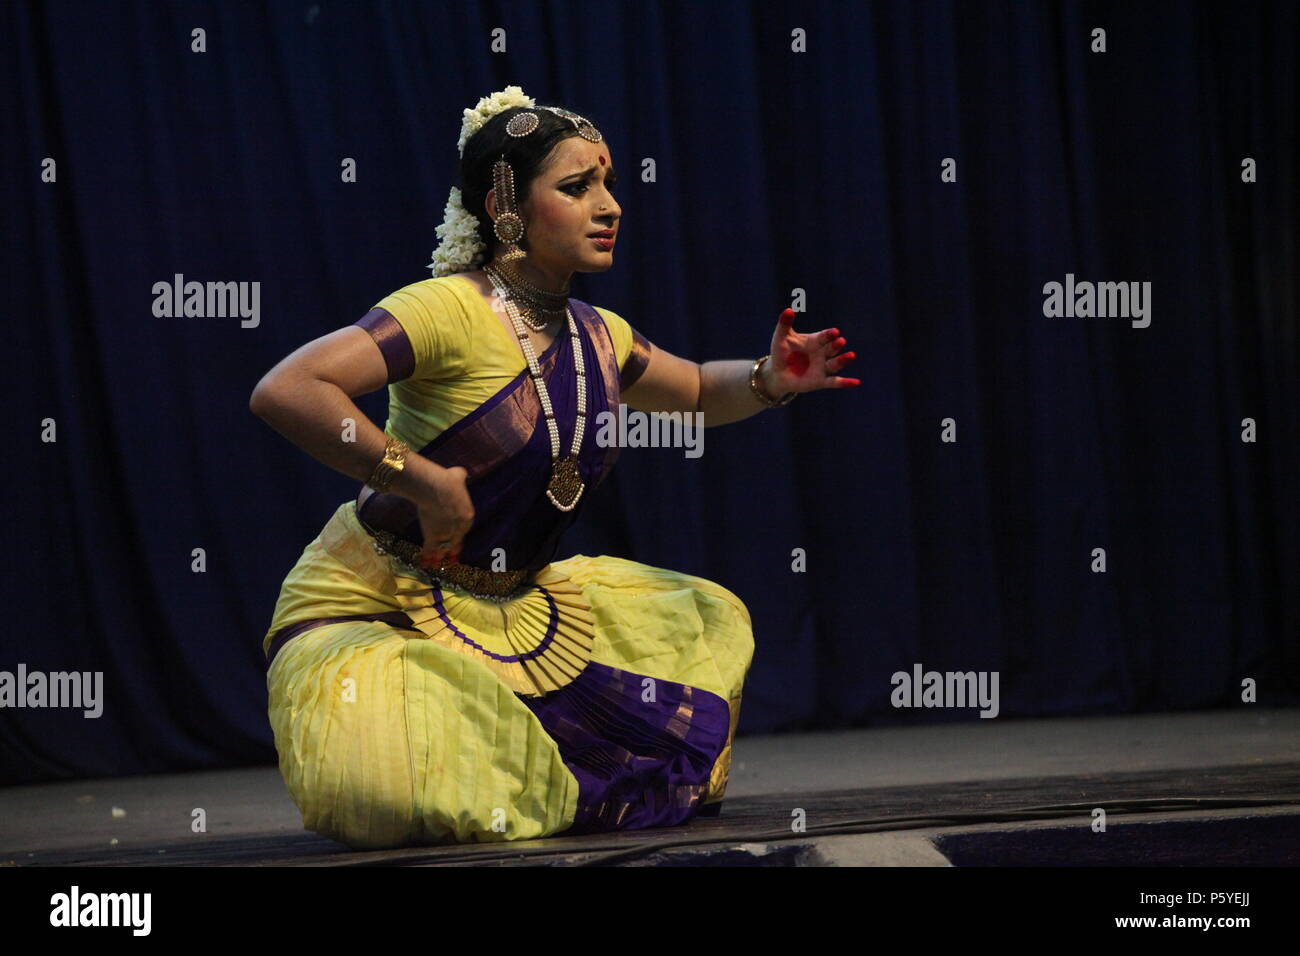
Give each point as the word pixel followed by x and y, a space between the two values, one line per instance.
pixel 631 347
pixel 423 331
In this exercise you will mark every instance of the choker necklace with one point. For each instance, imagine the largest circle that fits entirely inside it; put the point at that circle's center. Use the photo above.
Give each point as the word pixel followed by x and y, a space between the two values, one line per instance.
pixel 566 485
pixel 537 307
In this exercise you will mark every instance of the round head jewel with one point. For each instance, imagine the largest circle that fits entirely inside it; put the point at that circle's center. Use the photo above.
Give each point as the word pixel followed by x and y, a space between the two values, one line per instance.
pixel 525 122
pixel 583 125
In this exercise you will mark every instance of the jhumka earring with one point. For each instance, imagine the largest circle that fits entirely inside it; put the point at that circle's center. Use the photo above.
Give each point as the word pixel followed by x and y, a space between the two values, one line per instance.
pixel 509 226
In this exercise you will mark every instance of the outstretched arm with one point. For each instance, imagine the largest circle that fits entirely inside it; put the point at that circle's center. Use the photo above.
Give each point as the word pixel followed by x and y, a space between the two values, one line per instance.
pixel 800 362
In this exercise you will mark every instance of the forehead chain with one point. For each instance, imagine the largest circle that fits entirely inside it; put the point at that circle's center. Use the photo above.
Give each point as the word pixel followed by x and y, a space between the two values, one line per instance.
pixel 523 123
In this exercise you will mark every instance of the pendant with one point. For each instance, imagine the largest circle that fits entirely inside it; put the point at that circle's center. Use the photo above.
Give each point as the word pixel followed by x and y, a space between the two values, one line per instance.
pixel 566 486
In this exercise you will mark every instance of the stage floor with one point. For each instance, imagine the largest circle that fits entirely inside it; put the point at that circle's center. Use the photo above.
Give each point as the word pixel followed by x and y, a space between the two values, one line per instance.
pixel 1204 788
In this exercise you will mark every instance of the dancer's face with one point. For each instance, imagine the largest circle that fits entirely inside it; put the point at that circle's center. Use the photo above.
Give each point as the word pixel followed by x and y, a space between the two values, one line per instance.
pixel 564 208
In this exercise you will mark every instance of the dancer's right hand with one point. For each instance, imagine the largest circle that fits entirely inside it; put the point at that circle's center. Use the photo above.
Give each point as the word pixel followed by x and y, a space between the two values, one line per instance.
pixel 446 515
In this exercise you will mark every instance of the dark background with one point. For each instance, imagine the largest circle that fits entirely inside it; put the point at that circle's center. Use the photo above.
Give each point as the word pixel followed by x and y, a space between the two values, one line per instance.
pixel 775 171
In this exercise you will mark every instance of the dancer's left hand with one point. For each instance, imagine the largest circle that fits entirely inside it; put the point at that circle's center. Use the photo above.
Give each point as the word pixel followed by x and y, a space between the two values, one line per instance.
pixel 805 361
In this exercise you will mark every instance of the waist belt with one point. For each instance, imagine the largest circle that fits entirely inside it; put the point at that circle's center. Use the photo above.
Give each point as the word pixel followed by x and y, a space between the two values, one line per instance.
pixel 473 580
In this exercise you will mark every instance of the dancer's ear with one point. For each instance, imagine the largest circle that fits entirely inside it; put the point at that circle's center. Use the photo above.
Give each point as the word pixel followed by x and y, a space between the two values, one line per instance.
pixel 490 204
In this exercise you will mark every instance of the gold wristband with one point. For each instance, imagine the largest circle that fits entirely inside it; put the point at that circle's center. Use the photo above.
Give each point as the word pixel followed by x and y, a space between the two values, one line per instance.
pixel 391 466
pixel 761 395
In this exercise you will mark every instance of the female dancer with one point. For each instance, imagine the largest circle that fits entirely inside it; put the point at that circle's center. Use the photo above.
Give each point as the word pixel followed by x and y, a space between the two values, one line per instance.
pixel 434 675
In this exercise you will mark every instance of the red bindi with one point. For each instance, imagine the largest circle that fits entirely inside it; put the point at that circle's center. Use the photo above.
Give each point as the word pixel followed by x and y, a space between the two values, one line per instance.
pixel 602 160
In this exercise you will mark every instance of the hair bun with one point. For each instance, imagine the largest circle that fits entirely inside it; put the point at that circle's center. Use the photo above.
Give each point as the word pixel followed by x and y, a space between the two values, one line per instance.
pixel 488 107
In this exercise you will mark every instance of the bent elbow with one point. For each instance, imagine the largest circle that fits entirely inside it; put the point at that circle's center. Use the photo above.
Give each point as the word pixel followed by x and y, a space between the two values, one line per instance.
pixel 261 400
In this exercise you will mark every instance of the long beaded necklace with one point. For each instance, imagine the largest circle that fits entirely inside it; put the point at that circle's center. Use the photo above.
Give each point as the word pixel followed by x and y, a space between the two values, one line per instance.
pixel 565 486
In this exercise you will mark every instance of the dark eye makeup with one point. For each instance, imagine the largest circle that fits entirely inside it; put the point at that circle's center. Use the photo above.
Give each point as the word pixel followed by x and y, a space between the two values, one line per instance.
pixel 610 183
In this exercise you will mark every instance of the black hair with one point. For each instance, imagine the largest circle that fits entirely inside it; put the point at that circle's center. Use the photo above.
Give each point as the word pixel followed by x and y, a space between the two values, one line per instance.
pixel 525 154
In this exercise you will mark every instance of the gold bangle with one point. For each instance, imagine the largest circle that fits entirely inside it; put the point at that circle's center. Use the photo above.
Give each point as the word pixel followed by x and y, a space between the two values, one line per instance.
pixel 762 396
pixel 394 460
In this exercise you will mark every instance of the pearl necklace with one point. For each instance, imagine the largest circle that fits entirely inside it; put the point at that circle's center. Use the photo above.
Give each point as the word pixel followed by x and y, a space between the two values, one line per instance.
pixel 566 485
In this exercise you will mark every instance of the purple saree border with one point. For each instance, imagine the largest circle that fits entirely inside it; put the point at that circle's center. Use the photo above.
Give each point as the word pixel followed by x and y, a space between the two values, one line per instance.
pixel 553 621
pixel 636 363
pixel 610 376
pixel 397 619
pixel 394 345
pixel 638 763
pixel 402 621
pixel 544 362
pixel 396 514
pixel 465 443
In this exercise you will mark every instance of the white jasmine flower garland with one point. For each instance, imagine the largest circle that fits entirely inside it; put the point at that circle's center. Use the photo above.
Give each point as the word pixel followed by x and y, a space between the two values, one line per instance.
pixel 460 248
